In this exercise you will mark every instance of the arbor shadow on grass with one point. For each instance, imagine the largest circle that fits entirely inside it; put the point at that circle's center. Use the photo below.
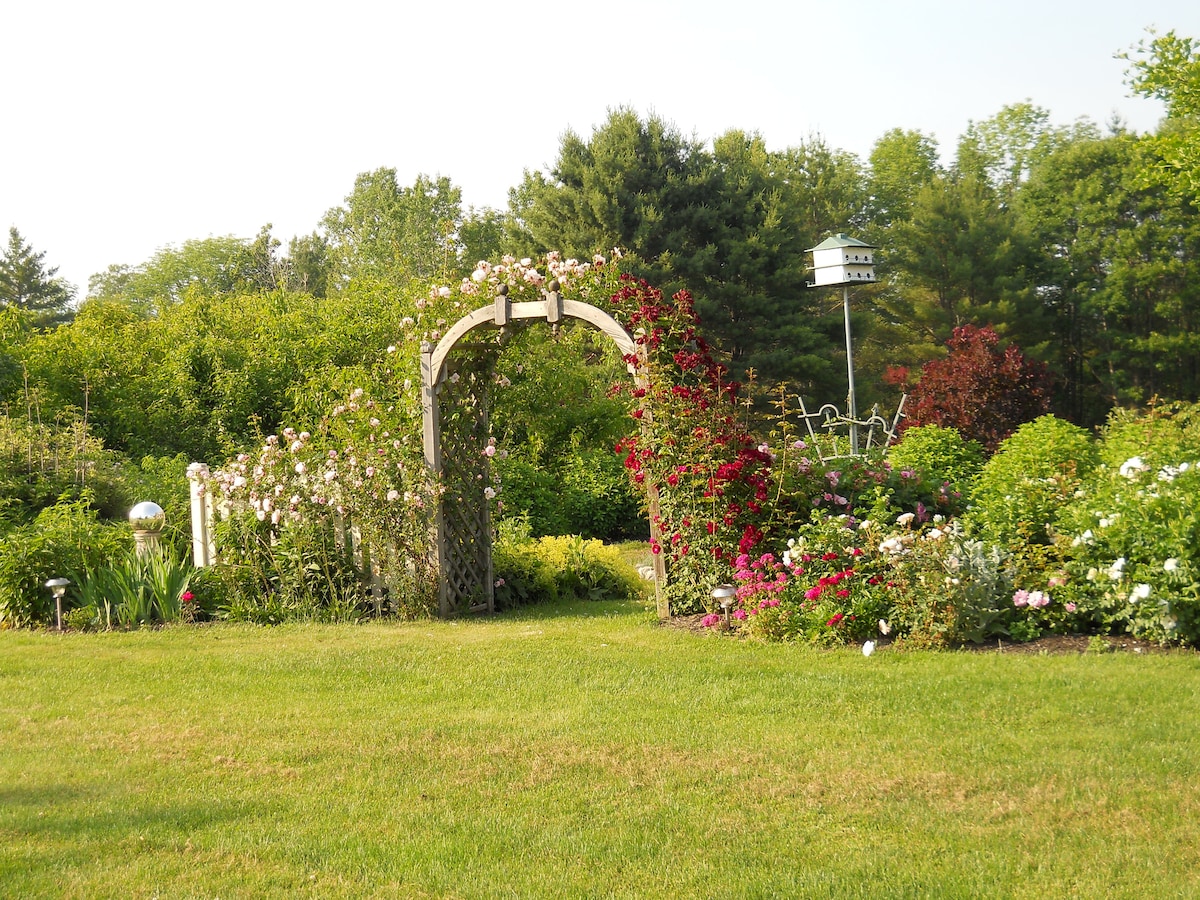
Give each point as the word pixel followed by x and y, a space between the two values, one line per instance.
pixel 62 826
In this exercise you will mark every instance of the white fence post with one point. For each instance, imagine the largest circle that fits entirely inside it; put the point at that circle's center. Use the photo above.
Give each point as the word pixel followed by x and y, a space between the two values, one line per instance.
pixel 204 548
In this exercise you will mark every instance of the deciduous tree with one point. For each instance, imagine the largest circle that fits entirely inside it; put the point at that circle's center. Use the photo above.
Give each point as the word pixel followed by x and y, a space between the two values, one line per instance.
pixel 206 266
pixel 1167 67
pixel 980 389
pixel 394 233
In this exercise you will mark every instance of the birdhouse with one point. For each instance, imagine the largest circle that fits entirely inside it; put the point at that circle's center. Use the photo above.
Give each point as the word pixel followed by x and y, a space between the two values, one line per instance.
pixel 842 259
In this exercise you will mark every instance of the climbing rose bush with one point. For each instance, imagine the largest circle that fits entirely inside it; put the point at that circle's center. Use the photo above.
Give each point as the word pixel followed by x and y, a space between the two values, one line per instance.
pixel 707 479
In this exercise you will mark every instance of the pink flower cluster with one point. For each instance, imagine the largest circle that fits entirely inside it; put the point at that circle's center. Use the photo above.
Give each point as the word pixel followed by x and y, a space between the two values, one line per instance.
pixel 516 273
pixel 1032 599
pixel 764 575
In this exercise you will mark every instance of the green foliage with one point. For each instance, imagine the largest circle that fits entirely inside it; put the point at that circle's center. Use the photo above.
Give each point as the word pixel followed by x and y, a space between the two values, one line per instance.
pixel 1132 539
pixel 588 494
pixel 732 226
pixel 268 576
pixel 557 568
pixel 1065 537
pixel 901 163
pixel 843 580
pixel 1002 150
pixel 961 259
pixel 1168 68
pixel 208 375
pixel 557 417
pixel 597 498
pixel 162 479
pixel 940 453
pixel 533 493
pixel 64 540
pixel 40 464
pixel 705 476
pixel 1023 488
pixel 394 233
pixel 205 267
pixel 815 478
pixel 1120 277
pixel 1165 435
pixel 947 588
pixel 139 590
pixel 82 618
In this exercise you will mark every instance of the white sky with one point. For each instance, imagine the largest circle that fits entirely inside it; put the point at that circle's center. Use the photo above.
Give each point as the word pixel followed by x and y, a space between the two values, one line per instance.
pixel 131 125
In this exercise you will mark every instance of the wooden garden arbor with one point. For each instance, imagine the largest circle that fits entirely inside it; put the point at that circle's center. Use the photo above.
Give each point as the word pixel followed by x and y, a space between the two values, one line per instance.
pixel 457 377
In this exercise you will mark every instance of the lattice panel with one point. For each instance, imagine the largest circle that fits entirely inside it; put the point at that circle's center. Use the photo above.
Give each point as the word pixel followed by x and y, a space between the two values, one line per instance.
pixel 466 540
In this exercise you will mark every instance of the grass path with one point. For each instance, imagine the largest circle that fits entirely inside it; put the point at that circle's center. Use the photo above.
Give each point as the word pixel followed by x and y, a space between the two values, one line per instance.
pixel 585 752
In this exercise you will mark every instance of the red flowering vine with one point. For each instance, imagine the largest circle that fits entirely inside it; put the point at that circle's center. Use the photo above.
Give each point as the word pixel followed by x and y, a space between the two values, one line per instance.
pixel 710 475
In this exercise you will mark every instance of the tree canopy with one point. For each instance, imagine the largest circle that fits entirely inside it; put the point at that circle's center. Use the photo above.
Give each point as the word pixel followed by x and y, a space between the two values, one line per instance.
pixel 1080 247
pixel 1167 67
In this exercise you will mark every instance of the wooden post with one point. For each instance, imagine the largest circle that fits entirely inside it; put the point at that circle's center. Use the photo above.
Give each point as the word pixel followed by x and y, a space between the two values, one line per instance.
pixel 431 437
pixel 660 562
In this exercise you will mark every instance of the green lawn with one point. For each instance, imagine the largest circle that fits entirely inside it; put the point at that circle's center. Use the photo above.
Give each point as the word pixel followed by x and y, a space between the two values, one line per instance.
pixel 586 752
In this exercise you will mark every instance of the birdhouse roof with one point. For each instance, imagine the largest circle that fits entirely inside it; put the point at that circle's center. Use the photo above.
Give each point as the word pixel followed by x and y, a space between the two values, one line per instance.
pixel 838 241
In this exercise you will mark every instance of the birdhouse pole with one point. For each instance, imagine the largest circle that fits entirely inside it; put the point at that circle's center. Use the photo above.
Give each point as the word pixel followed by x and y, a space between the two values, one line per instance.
pixel 844 260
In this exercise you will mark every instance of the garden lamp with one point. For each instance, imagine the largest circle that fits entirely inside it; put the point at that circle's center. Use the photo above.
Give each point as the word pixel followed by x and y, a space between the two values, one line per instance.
pixel 726 596
pixel 58 587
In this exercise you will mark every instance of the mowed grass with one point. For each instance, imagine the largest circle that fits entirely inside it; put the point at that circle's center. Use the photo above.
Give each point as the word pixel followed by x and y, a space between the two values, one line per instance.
pixel 584 751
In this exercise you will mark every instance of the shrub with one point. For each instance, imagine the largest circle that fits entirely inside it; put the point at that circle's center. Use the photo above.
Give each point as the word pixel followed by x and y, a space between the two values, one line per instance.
pixel 269 575
pixel 1163 436
pixel 41 465
pixel 706 477
pixel 941 454
pixel 597 498
pixel 981 390
pixel 825 589
pixel 1133 536
pixel 82 618
pixel 1034 474
pixel 587 494
pixel 869 487
pixel 947 589
pixel 841 580
pixel 534 494
pixel 65 540
pixel 551 568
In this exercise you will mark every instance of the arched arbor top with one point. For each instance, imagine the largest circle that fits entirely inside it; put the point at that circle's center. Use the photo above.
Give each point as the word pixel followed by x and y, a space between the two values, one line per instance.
pixel 503 312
